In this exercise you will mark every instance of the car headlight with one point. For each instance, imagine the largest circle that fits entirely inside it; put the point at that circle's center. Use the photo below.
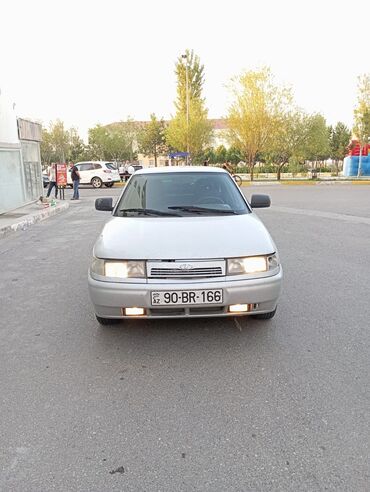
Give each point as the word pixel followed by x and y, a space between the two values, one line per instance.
pixel 118 269
pixel 252 264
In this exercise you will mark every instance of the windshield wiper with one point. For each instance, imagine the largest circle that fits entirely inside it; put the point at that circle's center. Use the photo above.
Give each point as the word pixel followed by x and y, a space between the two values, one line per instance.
pixel 150 211
pixel 189 208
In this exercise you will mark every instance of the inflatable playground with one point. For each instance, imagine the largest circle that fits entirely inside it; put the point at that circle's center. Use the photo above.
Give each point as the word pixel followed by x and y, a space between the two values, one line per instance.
pixel 351 161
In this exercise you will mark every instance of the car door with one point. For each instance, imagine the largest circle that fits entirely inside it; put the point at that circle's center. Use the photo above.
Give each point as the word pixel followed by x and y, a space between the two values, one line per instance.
pixel 85 172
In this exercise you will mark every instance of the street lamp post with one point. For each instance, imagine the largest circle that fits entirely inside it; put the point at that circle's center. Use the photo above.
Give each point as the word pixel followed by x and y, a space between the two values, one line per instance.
pixel 187 104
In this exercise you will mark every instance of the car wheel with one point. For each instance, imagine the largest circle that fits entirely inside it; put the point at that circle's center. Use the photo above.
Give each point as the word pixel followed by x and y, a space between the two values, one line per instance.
pixel 269 315
pixel 109 185
pixel 97 182
pixel 107 321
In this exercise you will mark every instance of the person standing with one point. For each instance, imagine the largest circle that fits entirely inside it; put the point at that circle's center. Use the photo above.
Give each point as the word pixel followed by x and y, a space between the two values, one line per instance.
pixel 121 171
pixel 75 176
pixel 52 173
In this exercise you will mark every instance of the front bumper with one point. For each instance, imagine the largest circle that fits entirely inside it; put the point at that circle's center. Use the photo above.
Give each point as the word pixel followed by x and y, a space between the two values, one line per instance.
pixel 109 298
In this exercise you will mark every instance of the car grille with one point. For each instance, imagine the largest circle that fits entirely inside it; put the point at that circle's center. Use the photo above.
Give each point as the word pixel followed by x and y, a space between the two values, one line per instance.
pixel 176 272
pixel 186 269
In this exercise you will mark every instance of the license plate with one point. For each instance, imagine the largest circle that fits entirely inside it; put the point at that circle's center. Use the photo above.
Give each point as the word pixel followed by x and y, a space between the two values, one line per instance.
pixel 185 297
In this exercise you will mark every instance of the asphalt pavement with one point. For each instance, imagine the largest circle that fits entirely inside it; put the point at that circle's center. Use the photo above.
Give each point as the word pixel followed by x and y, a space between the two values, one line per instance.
pixel 190 405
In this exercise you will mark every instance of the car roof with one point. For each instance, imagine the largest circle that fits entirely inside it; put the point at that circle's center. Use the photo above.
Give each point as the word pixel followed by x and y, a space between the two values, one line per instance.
pixel 94 162
pixel 180 169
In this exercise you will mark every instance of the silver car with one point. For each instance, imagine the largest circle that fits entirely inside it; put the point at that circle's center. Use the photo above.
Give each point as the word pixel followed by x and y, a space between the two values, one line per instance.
pixel 183 242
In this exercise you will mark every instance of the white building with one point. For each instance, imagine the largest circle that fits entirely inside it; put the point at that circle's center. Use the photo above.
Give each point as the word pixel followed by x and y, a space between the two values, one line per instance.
pixel 20 166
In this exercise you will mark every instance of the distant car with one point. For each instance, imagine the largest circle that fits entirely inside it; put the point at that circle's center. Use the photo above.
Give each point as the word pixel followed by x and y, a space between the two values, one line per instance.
pixel 182 243
pixel 136 167
pixel 45 180
pixel 96 173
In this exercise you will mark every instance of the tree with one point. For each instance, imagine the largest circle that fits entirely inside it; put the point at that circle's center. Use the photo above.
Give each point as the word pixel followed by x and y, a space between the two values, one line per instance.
pixel 190 128
pixel 234 155
pixel 60 140
pixel 339 138
pixel 98 142
pixel 114 142
pixel 59 144
pixel 151 138
pixel 317 142
pixel 77 148
pixel 362 114
pixel 256 113
pixel 289 141
pixel 47 148
pixel 130 131
pixel 221 154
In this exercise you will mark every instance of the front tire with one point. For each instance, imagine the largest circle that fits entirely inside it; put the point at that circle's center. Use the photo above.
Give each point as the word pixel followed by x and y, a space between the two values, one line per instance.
pixel 109 185
pixel 106 321
pixel 97 182
pixel 269 315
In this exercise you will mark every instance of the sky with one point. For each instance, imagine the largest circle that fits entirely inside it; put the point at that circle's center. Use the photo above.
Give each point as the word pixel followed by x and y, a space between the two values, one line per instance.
pixel 89 62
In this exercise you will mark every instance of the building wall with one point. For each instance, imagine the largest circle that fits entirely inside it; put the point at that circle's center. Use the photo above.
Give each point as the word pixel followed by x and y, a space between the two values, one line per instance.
pixel 20 166
pixel 11 182
pixel 8 123
pixel 146 161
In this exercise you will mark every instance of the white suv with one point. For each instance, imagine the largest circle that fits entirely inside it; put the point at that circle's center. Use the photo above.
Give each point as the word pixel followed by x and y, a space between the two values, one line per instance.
pixel 96 173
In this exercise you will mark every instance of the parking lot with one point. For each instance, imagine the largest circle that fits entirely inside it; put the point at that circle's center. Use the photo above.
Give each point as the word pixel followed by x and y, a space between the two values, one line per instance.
pixel 210 405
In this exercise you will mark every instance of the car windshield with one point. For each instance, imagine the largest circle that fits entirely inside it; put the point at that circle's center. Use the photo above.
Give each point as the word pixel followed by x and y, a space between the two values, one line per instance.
pixel 110 165
pixel 181 193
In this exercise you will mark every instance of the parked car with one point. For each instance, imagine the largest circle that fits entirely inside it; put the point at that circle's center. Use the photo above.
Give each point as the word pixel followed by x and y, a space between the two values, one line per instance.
pixel 45 180
pixel 135 167
pixel 96 173
pixel 183 242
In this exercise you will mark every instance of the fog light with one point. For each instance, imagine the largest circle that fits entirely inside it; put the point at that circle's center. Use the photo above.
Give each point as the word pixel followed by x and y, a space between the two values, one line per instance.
pixel 134 311
pixel 239 308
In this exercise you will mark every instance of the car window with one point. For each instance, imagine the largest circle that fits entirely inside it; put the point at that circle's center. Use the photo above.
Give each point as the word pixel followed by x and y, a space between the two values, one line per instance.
pixel 110 165
pixel 97 166
pixel 85 167
pixel 167 191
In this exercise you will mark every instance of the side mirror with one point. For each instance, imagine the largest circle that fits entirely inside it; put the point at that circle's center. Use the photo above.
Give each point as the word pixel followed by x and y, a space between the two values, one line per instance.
pixel 104 204
pixel 260 201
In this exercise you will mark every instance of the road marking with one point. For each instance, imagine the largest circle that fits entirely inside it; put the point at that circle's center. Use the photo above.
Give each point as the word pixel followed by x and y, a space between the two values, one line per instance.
pixel 326 215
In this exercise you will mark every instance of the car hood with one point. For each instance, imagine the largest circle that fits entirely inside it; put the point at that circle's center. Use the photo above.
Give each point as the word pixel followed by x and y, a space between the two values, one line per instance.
pixel 183 237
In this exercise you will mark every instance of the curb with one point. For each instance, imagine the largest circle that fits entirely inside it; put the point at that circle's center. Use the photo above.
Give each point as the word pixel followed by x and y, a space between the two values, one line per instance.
pixel 29 220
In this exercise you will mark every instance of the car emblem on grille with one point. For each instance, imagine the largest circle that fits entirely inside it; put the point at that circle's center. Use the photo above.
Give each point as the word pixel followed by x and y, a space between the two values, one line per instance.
pixel 185 266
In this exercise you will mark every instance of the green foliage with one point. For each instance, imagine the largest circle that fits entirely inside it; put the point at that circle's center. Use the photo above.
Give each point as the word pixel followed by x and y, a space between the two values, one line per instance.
pixel 151 138
pixel 339 138
pixel 114 142
pixel 256 112
pixel 289 142
pixel 98 142
pixel 77 149
pixel 317 143
pixel 193 132
pixel 47 147
pixel 362 112
pixel 234 155
pixel 61 145
pixel 195 73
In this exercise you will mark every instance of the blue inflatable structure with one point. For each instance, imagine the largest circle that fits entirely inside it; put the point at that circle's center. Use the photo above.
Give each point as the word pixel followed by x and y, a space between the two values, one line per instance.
pixel 350 165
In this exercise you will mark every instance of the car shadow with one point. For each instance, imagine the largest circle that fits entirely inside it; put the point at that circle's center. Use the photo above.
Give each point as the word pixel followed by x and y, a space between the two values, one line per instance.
pixel 166 338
